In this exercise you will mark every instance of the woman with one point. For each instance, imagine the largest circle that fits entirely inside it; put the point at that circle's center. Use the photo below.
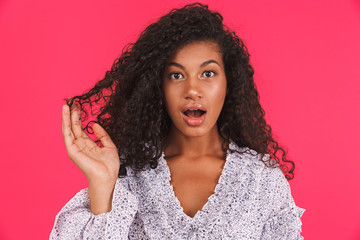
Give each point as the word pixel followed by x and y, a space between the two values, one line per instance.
pixel 183 148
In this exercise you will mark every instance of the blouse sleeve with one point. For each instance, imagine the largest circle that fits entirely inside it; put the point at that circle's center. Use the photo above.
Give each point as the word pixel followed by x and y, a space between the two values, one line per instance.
pixel 284 220
pixel 76 221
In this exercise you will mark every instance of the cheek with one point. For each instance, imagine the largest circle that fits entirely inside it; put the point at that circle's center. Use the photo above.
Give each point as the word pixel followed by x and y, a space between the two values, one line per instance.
pixel 170 100
pixel 218 95
pixel 218 91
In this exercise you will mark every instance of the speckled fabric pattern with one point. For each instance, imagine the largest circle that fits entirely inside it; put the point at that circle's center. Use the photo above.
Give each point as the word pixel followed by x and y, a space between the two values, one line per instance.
pixel 251 201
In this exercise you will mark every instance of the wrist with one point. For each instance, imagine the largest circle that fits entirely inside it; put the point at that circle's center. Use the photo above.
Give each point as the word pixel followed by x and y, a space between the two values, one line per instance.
pixel 101 195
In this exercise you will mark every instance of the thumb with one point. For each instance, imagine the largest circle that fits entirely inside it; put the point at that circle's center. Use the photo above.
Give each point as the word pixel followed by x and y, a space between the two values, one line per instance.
pixel 103 136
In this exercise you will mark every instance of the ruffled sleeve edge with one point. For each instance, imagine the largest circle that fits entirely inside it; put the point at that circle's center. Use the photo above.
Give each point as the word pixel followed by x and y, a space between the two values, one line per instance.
pixel 292 212
pixel 286 224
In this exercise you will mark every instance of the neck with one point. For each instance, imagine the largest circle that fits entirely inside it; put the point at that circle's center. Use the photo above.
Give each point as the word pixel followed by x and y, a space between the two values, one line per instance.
pixel 176 143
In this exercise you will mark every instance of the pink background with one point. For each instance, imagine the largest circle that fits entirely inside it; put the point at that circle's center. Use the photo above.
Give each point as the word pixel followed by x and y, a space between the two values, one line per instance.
pixel 306 59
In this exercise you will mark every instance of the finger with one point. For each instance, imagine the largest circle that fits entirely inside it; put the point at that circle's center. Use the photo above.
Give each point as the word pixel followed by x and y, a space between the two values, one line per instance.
pixel 103 136
pixel 76 125
pixel 66 126
pixel 73 145
pixel 76 148
pixel 85 144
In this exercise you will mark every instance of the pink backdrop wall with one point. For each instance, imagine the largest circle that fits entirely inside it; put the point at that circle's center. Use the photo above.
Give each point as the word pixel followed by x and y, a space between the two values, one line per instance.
pixel 306 59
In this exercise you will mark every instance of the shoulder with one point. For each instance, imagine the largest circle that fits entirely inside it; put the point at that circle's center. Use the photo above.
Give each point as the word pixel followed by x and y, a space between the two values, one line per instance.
pixel 249 162
pixel 269 182
pixel 247 159
pixel 130 179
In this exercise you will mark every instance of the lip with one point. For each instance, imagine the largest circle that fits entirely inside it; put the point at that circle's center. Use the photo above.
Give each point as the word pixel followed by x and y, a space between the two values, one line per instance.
pixel 194 121
pixel 193 106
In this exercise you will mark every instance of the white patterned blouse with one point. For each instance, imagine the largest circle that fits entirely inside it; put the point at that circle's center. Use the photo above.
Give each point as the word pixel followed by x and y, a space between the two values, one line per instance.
pixel 251 201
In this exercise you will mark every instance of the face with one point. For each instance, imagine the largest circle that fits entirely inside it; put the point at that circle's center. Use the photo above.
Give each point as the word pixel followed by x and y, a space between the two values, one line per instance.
pixel 195 77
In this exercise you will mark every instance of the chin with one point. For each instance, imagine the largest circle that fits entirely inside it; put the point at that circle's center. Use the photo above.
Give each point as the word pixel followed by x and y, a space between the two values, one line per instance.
pixel 194 131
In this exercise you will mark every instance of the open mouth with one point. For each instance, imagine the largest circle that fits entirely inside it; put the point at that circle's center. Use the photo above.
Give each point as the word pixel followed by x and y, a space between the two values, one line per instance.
pixel 196 113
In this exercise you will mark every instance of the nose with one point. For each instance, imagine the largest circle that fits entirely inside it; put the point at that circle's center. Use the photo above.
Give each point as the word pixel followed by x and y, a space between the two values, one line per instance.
pixel 192 88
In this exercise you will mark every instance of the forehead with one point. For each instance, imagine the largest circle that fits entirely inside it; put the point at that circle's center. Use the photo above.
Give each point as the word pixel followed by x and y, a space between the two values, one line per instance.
pixel 197 51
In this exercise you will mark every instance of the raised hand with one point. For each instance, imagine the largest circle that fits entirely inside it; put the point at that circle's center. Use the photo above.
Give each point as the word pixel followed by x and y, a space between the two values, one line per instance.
pixel 99 164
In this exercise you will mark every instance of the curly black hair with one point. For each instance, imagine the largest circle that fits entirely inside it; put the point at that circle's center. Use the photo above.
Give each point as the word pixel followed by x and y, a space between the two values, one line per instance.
pixel 133 86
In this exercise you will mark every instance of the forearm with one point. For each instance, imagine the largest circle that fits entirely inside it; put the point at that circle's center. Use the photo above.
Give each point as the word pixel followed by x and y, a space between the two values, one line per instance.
pixel 77 221
pixel 101 195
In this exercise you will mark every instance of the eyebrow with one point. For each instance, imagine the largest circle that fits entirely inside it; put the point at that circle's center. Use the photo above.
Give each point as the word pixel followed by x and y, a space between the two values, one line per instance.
pixel 202 65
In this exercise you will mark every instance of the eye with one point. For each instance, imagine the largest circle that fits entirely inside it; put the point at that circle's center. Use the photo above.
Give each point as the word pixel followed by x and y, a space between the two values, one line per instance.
pixel 209 74
pixel 175 75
